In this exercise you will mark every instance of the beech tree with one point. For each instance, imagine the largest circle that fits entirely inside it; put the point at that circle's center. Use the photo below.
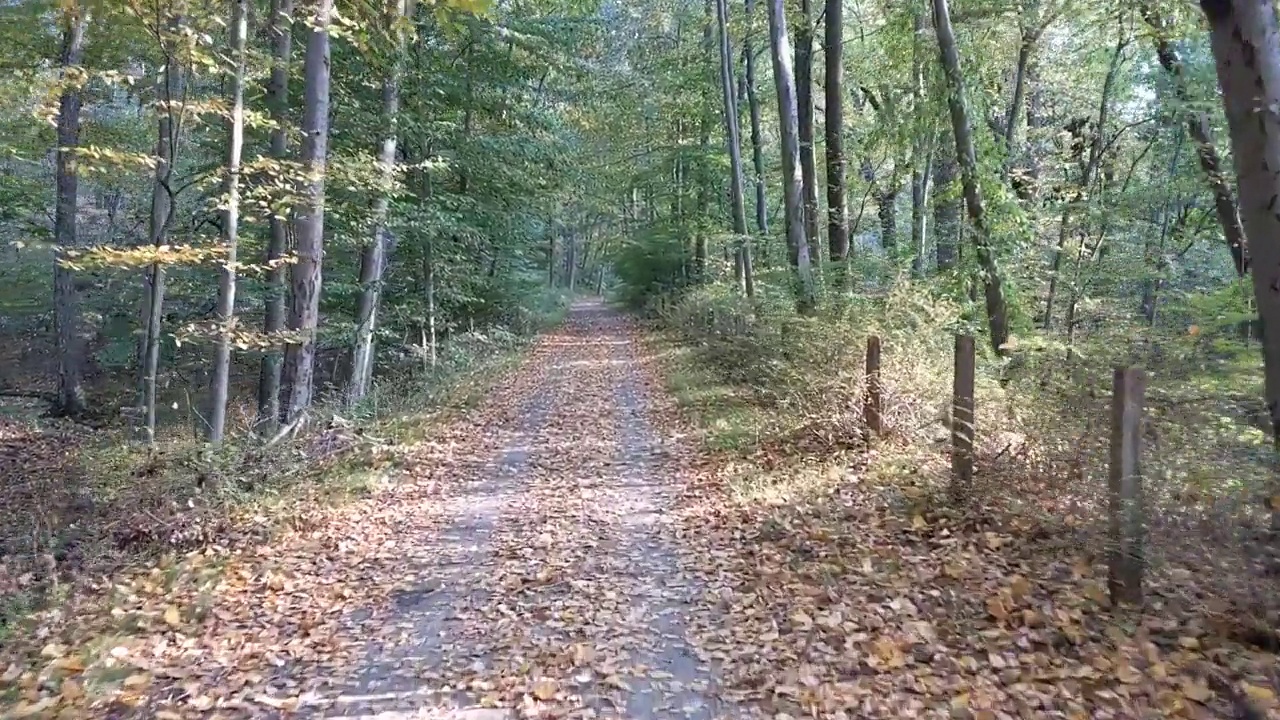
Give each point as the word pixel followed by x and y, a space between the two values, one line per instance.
pixel 304 312
pixel 792 175
pixel 1246 45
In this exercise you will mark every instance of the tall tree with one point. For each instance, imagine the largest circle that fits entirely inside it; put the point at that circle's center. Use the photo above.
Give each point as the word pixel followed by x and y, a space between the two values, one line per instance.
pixel 757 138
pixel 170 103
pixel 792 180
pixel 737 199
pixel 992 283
pixel 280 31
pixel 304 314
pixel 71 396
pixel 805 108
pixel 837 202
pixel 373 257
pixel 226 311
pixel 1246 46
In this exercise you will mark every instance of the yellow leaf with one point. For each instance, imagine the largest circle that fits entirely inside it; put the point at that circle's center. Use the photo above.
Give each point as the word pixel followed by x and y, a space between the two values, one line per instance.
pixel 172 617
pixel 139 680
pixel 918 523
pixel 1189 643
pixel 1263 696
pixel 544 689
pixel 1127 674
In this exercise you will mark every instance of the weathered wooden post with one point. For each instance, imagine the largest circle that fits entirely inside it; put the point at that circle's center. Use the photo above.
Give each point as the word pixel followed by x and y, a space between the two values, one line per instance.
pixel 871 407
pixel 962 417
pixel 1124 551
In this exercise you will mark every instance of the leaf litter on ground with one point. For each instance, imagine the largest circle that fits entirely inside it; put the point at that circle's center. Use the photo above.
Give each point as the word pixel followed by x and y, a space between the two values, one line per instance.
pixel 613 572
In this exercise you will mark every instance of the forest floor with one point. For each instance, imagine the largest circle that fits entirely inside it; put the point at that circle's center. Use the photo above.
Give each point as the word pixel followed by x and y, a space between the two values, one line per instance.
pixel 571 549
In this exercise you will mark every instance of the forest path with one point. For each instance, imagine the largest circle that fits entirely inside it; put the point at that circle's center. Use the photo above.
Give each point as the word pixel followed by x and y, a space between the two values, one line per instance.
pixel 529 567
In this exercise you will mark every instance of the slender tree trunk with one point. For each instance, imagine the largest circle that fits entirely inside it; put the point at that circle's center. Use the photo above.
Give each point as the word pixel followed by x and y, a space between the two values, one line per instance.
pixel 230 226
pixel 805 107
pixel 1246 46
pixel 921 143
pixel 837 200
pixel 993 288
pixel 1224 201
pixel 887 208
pixel 792 180
pixel 757 141
pixel 71 396
pixel 429 273
pixel 701 248
pixel 169 93
pixel 304 316
pixel 737 199
pixel 280 30
pixel 374 256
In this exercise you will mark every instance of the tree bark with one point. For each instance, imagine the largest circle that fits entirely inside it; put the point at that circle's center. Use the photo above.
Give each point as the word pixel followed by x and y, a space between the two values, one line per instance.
pixel 837 201
pixel 226 311
pixel 992 283
pixel 732 134
pixel 805 107
pixel 792 180
pixel 304 315
pixel 1224 201
pixel 946 206
pixel 921 143
pixel 170 99
pixel 280 29
pixel 374 256
pixel 757 140
pixel 1246 46
pixel 71 400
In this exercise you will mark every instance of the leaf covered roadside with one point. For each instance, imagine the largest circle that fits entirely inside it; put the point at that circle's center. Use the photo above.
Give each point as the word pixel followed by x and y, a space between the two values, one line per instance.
pixel 206 631
pixel 867 598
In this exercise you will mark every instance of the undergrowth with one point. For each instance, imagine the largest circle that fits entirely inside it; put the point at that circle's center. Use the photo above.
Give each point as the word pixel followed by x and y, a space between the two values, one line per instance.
pixel 780 397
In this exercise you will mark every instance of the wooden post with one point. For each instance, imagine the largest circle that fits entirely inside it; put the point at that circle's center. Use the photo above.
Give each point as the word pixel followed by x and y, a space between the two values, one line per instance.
pixel 871 408
pixel 1124 552
pixel 962 417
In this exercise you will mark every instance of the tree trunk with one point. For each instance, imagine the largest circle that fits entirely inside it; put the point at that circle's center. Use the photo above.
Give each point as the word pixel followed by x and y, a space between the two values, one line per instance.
pixel 71 396
pixel 837 202
pixel 429 273
pixel 373 257
pixel 792 180
pixel 737 199
pixel 170 95
pixel 280 29
pixel 1246 46
pixel 757 141
pixel 701 243
pixel 230 227
pixel 921 144
pixel 946 208
pixel 304 315
pixel 1224 201
pixel 887 208
pixel 993 289
pixel 805 106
